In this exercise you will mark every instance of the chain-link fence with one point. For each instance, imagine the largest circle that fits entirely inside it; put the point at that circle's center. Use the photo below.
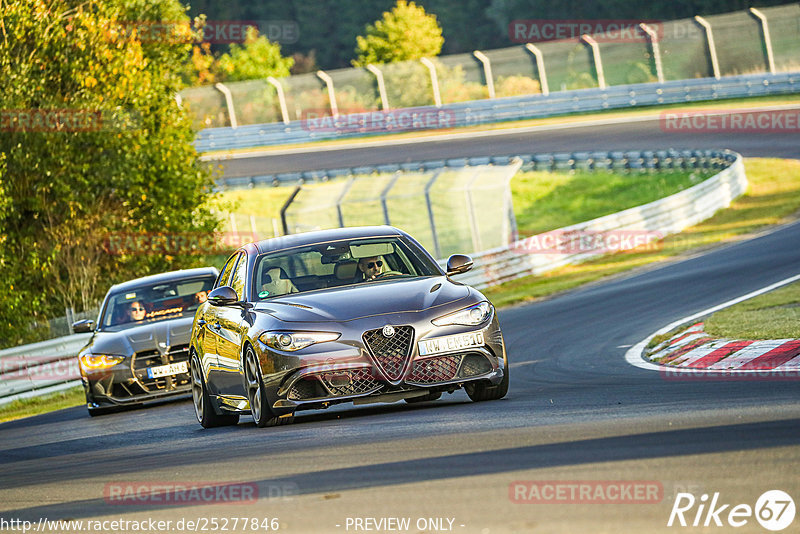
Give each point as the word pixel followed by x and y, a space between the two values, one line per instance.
pixel 754 41
pixel 449 210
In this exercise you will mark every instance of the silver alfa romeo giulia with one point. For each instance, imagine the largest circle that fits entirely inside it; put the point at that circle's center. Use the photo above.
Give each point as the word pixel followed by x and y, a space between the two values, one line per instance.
pixel 356 315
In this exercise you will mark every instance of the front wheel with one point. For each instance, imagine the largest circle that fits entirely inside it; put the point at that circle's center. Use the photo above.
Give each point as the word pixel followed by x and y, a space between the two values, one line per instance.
pixel 259 406
pixel 203 409
pixel 483 392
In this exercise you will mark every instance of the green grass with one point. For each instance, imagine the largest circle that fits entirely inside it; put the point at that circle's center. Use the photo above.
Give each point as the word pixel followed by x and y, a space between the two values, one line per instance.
pixel 48 403
pixel 773 315
pixel 773 197
pixel 546 201
pixel 542 200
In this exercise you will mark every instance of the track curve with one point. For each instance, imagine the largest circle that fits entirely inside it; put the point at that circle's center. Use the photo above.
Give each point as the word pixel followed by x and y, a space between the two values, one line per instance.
pixel 576 411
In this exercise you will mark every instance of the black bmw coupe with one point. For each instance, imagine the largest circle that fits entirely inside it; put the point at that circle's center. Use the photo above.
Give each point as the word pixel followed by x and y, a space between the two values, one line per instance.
pixel 140 348
pixel 356 315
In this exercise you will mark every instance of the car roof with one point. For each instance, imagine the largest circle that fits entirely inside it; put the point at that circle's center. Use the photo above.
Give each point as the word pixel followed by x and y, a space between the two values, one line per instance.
pixel 324 236
pixel 170 276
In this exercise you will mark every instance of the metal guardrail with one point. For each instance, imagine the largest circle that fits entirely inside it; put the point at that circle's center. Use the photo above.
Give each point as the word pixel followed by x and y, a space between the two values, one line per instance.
pixel 45 367
pixel 40 368
pixel 504 109
pixel 640 225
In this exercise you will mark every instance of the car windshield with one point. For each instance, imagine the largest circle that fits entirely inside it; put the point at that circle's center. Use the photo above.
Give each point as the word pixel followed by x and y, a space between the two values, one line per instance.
pixel 156 302
pixel 337 264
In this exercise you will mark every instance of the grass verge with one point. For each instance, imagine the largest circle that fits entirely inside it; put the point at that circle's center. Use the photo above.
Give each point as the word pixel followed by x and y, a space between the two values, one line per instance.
pixel 38 405
pixel 773 315
pixel 773 197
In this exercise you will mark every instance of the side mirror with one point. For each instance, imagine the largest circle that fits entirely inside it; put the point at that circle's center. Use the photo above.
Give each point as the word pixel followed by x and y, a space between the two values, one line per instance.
pixel 458 263
pixel 223 296
pixel 83 327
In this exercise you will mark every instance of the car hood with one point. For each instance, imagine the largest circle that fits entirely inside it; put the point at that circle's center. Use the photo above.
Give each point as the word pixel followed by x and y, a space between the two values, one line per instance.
pixel 364 300
pixel 160 335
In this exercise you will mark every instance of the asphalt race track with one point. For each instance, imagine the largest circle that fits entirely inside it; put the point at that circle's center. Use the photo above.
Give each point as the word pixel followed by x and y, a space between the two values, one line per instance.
pixel 634 135
pixel 576 411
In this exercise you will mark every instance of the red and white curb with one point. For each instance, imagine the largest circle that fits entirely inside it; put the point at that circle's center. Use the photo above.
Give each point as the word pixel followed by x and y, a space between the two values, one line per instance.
pixel 692 351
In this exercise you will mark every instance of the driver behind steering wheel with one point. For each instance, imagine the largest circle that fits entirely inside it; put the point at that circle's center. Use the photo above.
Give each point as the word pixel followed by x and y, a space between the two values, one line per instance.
pixel 371 267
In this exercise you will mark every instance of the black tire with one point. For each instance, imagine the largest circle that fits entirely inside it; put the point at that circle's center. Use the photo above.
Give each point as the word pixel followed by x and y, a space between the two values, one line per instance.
pixel 203 408
pixel 481 391
pixel 424 398
pixel 257 396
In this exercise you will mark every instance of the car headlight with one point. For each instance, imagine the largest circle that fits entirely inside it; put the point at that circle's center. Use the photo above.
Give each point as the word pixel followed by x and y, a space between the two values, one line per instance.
pixel 292 341
pixel 93 362
pixel 474 315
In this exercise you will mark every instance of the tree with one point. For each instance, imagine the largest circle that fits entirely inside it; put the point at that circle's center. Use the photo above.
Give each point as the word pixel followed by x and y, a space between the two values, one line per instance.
pixel 406 32
pixel 257 59
pixel 94 145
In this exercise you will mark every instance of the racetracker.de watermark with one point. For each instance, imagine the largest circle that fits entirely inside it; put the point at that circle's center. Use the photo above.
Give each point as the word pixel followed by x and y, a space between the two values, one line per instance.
pixel 68 120
pixel 601 30
pixel 589 242
pixel 39 368
pixel 586 492
pixel 734 121
pixel 178 244
pixel 683 374
pixel 394 120
pixel 171 493
pixel 213 31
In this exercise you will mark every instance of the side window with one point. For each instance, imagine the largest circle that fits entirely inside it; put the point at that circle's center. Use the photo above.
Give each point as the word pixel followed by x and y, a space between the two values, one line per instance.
pixel 222 279
pixel 239 275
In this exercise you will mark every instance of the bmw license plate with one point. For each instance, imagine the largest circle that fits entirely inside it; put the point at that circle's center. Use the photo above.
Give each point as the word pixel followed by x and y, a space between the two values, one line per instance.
pixel 167 370
pixel 450 343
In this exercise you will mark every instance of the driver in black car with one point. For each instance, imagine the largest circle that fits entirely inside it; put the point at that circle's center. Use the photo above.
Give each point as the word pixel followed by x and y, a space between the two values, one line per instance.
pixel 371 267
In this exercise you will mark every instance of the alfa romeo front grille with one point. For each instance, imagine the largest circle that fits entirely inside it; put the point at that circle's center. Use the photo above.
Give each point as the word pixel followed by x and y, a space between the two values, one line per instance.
pixel 432 370
pixel 390 352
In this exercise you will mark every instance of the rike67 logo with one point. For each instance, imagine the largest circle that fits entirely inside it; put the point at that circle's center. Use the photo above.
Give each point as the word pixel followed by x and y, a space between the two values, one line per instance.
pixel 774 510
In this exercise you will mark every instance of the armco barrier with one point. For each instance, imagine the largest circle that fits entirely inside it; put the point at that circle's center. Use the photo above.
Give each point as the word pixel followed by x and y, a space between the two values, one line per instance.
pixel 666 216
pixel 561 161
pixel 515 108
pixel 40 368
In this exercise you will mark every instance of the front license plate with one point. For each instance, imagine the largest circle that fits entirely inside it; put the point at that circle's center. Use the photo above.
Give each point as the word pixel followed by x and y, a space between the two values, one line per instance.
pixel 167 370
pixel 450 343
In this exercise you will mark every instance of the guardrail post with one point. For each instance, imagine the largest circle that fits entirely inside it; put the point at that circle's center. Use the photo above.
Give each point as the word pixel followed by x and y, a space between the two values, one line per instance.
pixel 228 102
pixel 381 85
pixel 767 40
pixel 652 38
pixel 281 97
pixel 712 49
pixel 598 63
pixel 286 207
pixel 437 97
pixel 473 221
pixel 339 199
pixel 384 194
pixel 437 250
pixel 331 93
pixel 487 71
pixel 537 54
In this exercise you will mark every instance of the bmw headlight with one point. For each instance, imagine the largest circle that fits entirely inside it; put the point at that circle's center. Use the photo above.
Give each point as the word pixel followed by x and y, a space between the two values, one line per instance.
pixel 474 315
pixel 292 341
pixel 93 362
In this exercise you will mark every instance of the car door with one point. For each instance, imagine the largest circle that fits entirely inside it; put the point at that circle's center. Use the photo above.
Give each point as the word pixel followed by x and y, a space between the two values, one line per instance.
pixel 209 331
pixel 229 336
